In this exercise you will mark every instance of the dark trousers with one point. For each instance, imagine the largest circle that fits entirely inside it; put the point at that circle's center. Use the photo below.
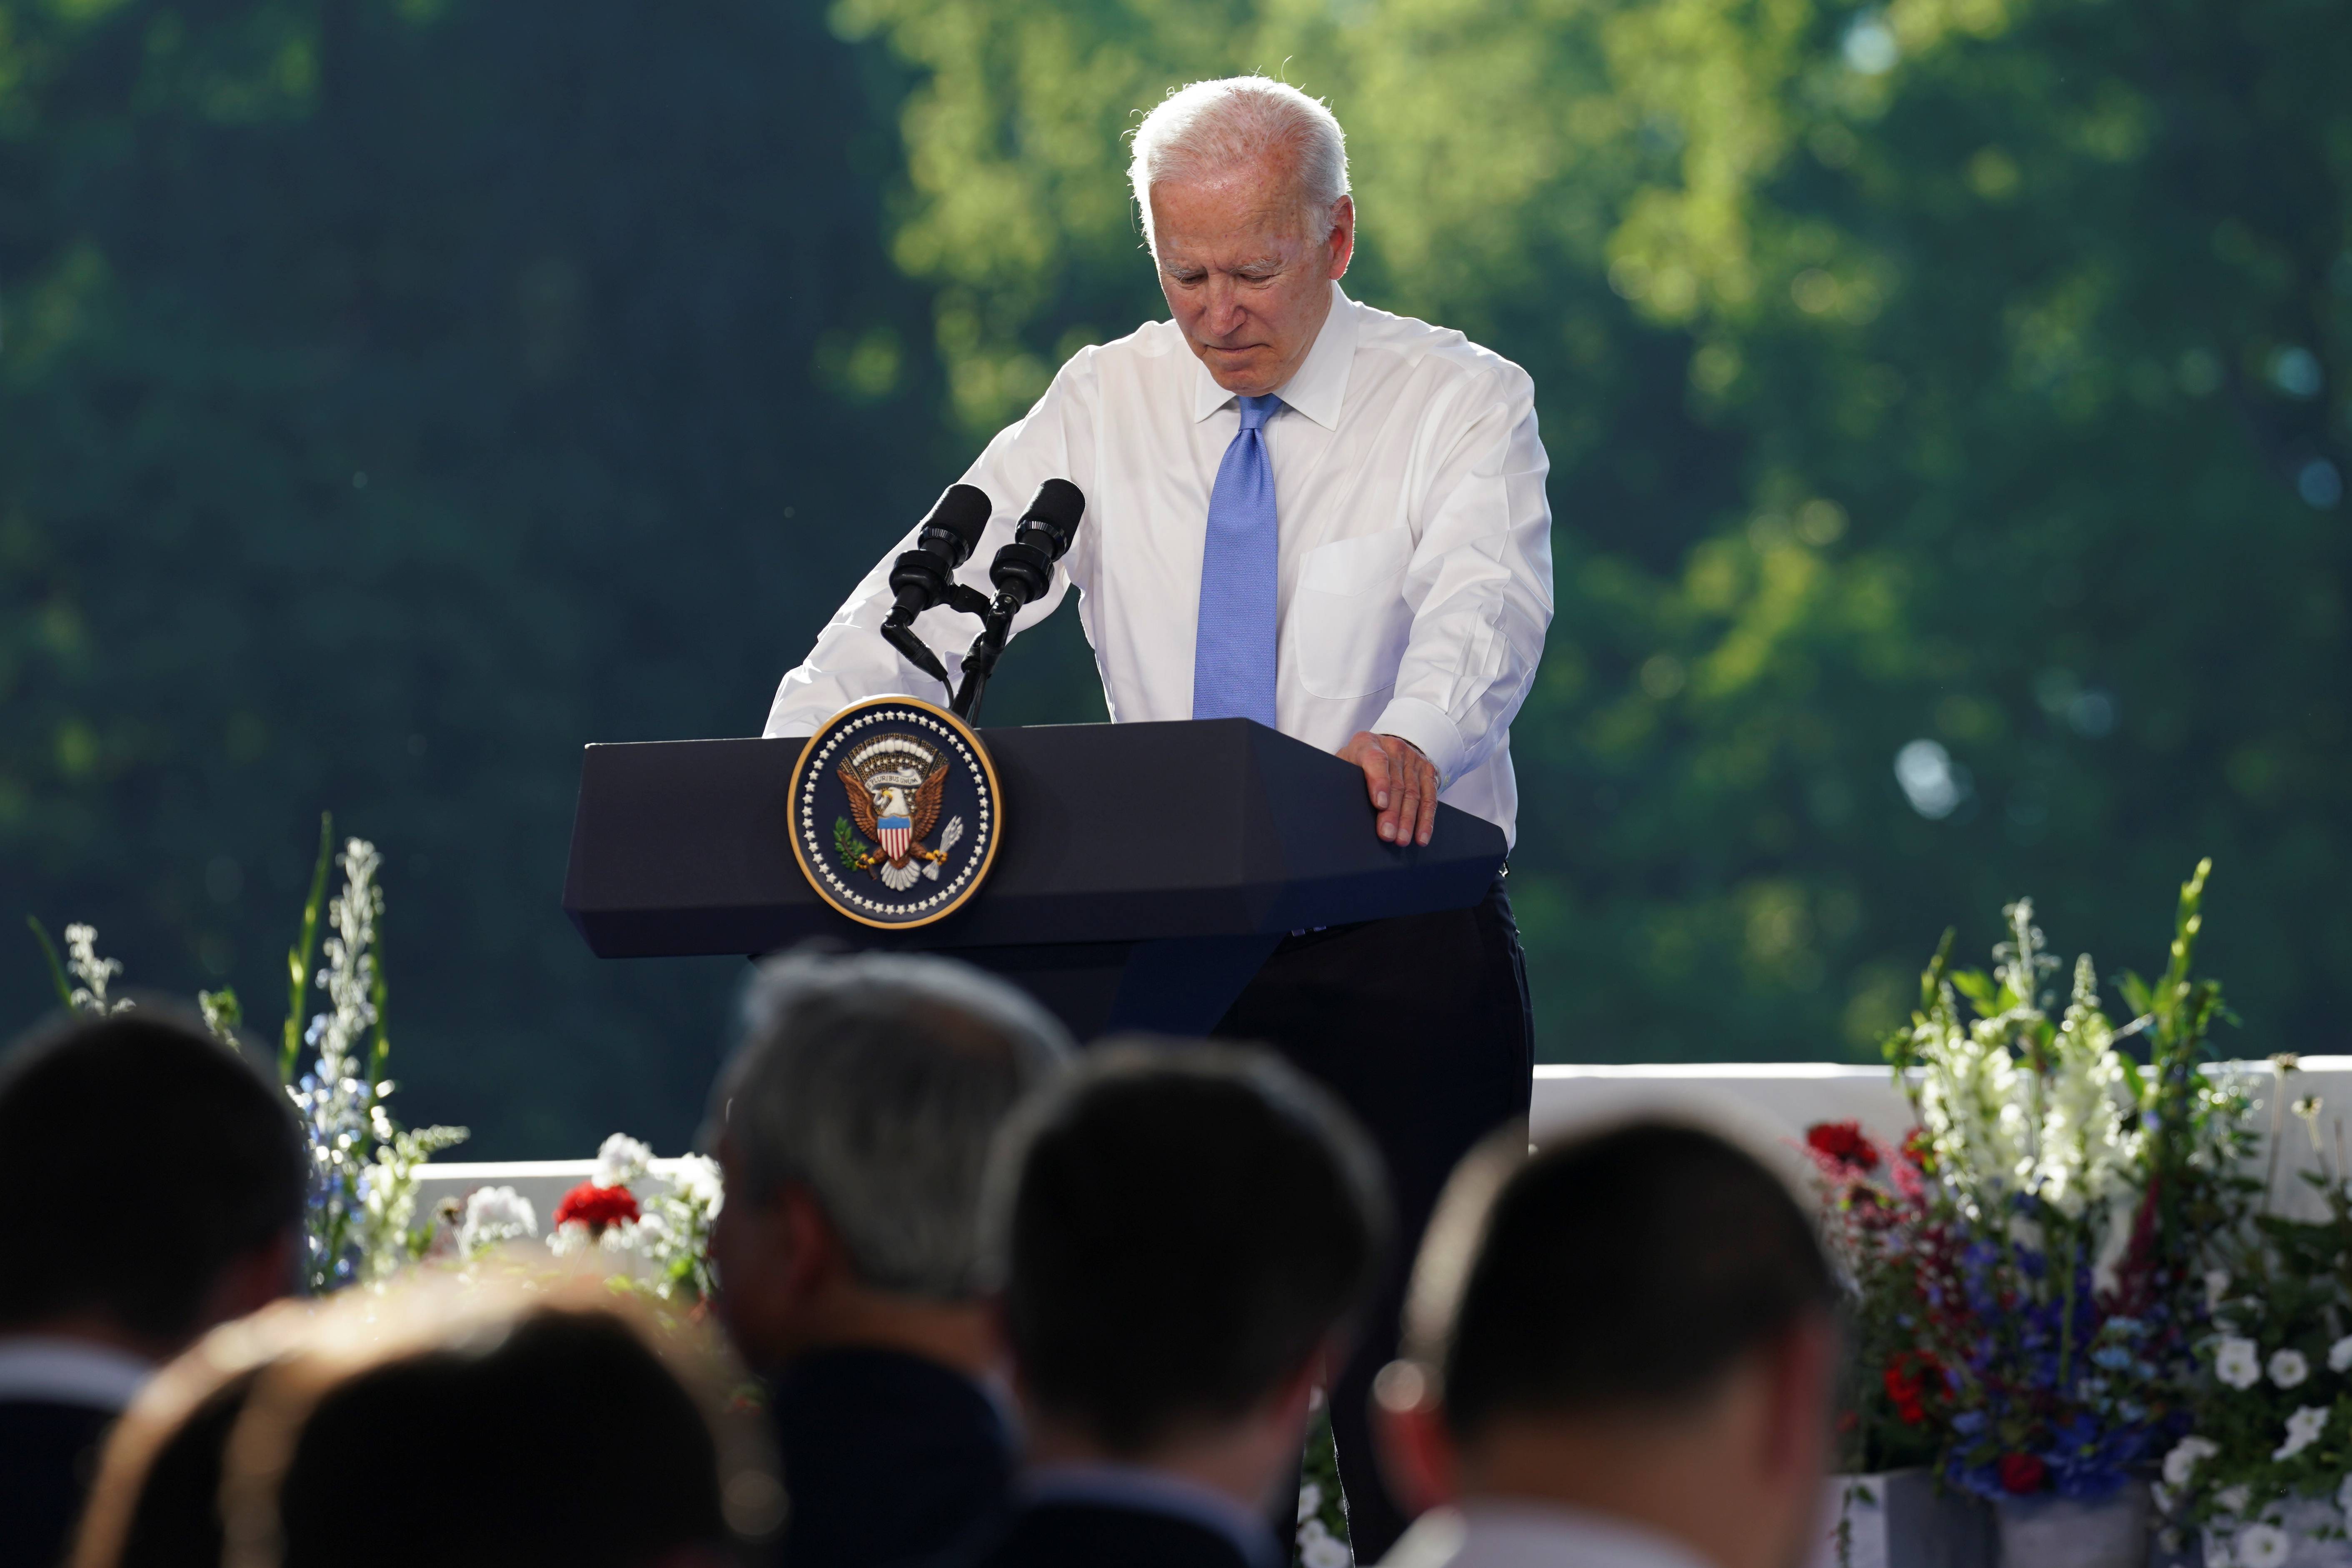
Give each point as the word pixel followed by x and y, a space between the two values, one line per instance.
pixel 1420 1026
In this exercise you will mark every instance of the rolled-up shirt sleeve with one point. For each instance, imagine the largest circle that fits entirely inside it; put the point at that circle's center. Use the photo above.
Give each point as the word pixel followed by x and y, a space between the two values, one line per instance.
pixel 852 662
pixel 1479 584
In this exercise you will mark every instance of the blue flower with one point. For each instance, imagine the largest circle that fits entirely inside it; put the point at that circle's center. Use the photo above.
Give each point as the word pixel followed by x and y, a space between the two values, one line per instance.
pixel 1982 1479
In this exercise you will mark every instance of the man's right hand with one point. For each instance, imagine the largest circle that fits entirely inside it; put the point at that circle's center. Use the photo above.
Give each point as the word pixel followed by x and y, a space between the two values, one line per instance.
pixel 1402 783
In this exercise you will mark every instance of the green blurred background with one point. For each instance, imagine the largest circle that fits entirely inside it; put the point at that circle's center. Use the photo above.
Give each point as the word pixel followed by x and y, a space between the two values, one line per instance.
pixel 1945 404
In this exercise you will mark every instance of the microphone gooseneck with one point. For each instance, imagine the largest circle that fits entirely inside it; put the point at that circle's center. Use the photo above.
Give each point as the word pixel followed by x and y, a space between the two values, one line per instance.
pixel 925 575
pixel 1022 572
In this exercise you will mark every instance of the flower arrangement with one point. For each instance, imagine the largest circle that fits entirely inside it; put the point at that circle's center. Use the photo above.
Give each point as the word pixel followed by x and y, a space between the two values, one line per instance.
pixel 2026 1274
pixel 663 1239
pixel 601 1209
pixel 1892 1405
pixel 363 1166
pixel 2071 1200
pixel 359 1218
pixel 2032 1198
pixel 2270 1455
pixel 360 1223
pixel 492 1216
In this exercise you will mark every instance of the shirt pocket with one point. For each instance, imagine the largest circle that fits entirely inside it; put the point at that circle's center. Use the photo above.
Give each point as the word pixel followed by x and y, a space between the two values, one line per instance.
pixel 1348 620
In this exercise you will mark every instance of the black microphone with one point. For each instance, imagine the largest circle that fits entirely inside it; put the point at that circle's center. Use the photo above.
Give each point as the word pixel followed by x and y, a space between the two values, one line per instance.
pixel 925 575
pixel 1023 569
pixel 1022 572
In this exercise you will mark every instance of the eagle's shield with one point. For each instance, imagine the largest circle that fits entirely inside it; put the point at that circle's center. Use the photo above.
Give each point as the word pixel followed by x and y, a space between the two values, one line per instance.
pixel 898 835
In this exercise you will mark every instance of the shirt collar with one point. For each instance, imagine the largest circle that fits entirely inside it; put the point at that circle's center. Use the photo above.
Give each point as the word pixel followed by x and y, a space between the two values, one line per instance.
pixel 39 1368
pixel 1320 384
pixel 1511 1533
pixel 1155 1491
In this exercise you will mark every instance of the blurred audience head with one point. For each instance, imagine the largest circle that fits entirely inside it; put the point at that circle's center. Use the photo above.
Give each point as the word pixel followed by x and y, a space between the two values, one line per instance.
pixel 1184 1233
pixel 1636 1322
pixel 477 1426
pixel 177 1172
pixel 155 1502
pixel 853 1126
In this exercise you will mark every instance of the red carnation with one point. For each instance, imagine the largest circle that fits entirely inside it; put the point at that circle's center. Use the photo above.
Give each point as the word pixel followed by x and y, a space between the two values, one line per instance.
pixel 1906 1380
pixel 598 1208
pixel 1842 1142
pixel 2022 1473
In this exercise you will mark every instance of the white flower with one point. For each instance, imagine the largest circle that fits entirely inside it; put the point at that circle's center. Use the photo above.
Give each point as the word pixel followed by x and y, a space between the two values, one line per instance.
pixel 2085 1146
pixel 93 972
pixel 2303 1429
pixel 2218 1553
pixel 2233 1501
pixel 2343 1497
pixel 2183 1458
pixel 2217 1287
pixel 1325 1551
pixel 2239 1363
pixel 2261 1546
pixel 2340 1354
pixel 1310 1500
pixel 1966 1105
pixel 2161 1495
pixel 2288 1369
pixel 621 1161
pixel 569 1237
pixel 349 979
pixel 696 1179
pixel 494 1215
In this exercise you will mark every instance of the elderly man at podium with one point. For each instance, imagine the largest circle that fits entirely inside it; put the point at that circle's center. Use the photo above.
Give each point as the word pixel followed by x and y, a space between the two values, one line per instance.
pixel 1312 513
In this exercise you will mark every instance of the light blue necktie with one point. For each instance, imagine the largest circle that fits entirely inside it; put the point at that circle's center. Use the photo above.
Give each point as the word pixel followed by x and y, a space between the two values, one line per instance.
pixel 1232 651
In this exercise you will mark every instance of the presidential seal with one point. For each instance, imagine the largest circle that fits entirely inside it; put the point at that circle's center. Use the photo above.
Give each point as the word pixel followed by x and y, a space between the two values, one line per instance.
pixel 895 812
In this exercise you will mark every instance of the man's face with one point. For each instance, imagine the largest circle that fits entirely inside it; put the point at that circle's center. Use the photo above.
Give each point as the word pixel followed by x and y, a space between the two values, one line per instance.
pixel 751 1244
pixel 1246 284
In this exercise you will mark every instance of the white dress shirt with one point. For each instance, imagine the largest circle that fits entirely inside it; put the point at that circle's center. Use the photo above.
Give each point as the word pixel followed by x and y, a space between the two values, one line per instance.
pixel 1415 555
pixel 1492 1533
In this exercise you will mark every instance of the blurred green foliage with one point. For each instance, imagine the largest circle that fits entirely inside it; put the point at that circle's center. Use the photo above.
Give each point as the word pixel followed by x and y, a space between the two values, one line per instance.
pixel 395 394
pixel 1966 373
pixel 394 397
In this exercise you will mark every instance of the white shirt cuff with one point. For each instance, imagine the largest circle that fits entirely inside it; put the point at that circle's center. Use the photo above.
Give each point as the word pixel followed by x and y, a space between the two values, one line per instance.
pixel 1428 727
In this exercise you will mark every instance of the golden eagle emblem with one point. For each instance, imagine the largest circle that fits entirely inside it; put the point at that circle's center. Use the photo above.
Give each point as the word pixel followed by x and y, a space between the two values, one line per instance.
pixel 895 782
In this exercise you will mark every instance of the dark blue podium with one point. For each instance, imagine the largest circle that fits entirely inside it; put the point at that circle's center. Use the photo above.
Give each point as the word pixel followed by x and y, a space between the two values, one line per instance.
pixel 1147 870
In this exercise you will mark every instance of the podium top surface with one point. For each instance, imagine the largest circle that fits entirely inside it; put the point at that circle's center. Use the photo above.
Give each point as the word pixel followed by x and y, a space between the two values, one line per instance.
pixel 1111 833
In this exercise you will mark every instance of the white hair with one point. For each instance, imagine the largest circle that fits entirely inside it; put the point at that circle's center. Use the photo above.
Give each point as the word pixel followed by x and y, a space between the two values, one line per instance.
pixel 1213 126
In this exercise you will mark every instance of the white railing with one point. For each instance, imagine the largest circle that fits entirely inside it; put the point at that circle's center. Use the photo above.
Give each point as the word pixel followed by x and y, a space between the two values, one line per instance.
pixel 1780 1098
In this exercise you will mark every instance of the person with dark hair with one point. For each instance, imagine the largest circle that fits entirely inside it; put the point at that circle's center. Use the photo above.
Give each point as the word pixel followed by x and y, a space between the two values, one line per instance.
pixel 853 1126
pixel 1186 1236
pixel 490 1427
pixel 1619 1352
pixel 173 1177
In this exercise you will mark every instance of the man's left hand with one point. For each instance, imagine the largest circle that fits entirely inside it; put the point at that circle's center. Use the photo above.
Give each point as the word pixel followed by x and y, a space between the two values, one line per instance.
pixel 1400 780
